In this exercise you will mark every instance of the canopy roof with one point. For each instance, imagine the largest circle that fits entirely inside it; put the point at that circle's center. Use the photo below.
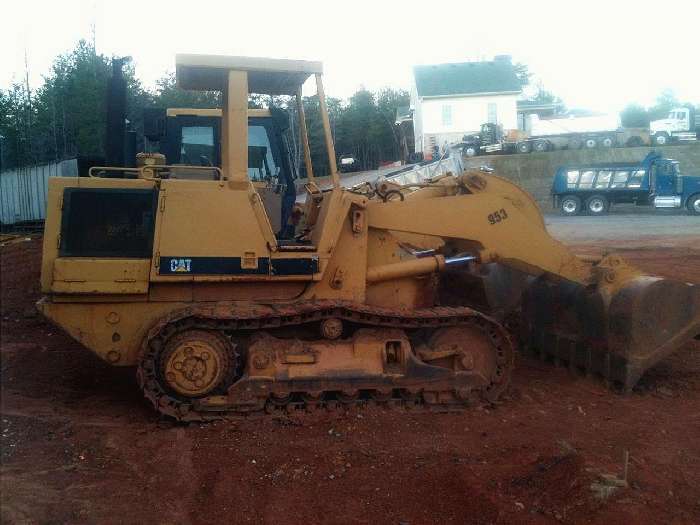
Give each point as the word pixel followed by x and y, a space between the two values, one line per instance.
pixel 269 76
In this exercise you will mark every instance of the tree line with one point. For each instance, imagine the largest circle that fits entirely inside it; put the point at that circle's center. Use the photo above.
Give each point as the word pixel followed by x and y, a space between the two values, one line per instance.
pixel 65 116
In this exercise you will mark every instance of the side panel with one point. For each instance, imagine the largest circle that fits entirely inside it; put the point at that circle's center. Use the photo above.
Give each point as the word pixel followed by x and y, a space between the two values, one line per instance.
pixel 113 331
pixel 53 243
pixel 205 228
pixel 104 276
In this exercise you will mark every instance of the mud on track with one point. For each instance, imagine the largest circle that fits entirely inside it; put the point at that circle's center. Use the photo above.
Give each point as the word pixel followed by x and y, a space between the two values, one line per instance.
pixel 80 445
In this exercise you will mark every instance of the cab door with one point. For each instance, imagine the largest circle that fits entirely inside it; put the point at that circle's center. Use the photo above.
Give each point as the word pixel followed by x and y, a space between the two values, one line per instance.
pixel 265 170
pixel 272 170
pixel 205 230
pixel 665 179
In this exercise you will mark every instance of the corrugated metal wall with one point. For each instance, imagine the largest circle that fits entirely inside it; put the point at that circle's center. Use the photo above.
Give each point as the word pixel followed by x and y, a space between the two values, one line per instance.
pixel 23 191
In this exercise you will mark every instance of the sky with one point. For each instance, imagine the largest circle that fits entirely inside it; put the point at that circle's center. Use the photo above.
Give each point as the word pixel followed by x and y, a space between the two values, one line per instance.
pixel 599 55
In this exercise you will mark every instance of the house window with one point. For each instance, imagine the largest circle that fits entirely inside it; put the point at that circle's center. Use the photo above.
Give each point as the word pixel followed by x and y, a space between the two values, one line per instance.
pixel 493 113
pixel 446 115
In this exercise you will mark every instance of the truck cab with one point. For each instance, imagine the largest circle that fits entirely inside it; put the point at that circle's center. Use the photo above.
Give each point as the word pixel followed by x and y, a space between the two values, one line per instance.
pixel 490 139
pixel 682 124
pixel 593 188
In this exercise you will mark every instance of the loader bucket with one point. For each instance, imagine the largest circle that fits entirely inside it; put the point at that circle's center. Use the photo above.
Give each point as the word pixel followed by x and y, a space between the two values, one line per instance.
pixel 618 337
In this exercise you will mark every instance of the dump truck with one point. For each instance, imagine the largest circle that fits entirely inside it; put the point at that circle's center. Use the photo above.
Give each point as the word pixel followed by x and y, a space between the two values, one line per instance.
pixel 655 181
pixel 397 295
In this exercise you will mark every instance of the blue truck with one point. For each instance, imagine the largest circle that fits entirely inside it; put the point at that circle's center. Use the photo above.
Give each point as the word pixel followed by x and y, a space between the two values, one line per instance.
pixel 593 188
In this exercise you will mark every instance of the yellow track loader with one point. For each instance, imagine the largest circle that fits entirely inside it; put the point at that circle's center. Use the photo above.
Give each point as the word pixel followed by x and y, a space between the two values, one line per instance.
pixel 369 297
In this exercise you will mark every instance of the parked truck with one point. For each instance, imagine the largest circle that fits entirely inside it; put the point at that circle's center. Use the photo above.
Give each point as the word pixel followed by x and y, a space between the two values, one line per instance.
pixel 575 132
pixel 681 125
pixel 561 133
pixel 656 181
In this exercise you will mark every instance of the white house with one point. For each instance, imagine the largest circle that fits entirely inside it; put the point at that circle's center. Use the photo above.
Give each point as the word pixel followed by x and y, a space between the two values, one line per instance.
pixel 451 100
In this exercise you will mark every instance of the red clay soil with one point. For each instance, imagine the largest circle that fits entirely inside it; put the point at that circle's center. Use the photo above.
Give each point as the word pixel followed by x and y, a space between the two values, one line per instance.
pixel 80 445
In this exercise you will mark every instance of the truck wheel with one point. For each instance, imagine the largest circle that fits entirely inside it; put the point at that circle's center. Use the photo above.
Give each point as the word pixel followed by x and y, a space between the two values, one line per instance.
pixel 597 205
pixel 607 142
pixel 590 143
pixel 570 205
pixel 541 145
pixel 470 151
pixel 523 147
pixel 693 204
pixel 635 142
pixel 574 144
pixel 660 139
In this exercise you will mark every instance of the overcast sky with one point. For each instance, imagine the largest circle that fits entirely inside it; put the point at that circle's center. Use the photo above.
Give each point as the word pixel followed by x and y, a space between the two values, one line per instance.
pixel 593 54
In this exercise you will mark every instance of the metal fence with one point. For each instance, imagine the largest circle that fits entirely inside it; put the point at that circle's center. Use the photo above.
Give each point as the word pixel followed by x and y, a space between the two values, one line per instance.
pixel 23 191
pixel 420 173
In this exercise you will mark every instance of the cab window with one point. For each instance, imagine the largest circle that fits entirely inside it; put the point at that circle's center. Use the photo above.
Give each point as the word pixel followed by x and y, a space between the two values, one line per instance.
pixel 261 162
pixel 197 147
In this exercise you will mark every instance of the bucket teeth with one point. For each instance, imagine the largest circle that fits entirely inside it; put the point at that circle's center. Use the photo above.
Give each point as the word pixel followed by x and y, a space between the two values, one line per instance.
pixel 566 351
pixel 615 339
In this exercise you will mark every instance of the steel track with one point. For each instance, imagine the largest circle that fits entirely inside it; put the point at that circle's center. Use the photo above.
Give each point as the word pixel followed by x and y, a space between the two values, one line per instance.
pixel 230 318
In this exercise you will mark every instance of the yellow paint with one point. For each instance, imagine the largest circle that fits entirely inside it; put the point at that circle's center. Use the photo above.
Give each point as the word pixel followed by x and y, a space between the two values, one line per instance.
pixel 364 246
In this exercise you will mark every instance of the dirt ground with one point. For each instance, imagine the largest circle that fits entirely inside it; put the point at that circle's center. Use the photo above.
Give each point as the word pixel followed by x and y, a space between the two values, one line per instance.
pixel 80 445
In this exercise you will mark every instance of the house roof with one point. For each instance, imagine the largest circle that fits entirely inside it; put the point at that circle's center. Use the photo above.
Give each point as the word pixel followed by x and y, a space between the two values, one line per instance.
pixel 466 78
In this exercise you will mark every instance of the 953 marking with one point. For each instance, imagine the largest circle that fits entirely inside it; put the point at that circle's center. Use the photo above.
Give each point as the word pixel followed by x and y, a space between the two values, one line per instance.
pixel 497 216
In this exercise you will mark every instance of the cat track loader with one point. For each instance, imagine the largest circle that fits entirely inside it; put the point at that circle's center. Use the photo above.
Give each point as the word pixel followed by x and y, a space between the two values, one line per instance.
pixel 373 295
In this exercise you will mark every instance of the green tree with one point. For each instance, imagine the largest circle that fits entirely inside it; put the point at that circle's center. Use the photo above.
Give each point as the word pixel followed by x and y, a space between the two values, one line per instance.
pixel 665 102
pixel 634 116
pixel 66 115
pixel 169 95
pixel 543 96
pixel 523 73
pixel 14 127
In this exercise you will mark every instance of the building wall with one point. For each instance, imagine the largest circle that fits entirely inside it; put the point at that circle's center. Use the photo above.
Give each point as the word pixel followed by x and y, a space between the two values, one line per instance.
pixel 417 118
pixel 23 191
pixel 447 119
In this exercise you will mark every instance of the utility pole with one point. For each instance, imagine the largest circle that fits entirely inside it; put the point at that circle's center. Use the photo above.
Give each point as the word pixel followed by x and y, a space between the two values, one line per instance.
pixel 28 106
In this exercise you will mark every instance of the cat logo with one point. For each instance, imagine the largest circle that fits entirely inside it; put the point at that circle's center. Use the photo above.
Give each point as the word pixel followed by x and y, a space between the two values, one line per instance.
pixel 180 265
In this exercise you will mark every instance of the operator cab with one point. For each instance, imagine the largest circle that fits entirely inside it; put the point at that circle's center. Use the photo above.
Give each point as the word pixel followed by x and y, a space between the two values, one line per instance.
pixel 147 228
pixel 192 137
